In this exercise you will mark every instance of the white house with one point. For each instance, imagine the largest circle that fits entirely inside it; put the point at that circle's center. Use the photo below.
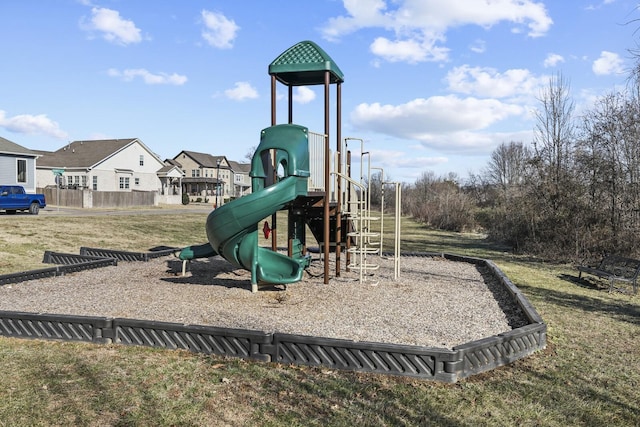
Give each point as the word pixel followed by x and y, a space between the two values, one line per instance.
pixel 102 165
pixel 17 165
pixel 171 176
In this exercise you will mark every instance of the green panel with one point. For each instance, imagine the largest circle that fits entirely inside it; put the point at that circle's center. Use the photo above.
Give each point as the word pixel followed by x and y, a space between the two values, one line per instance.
pixel 305 64
pixel 197 251
pixel 291 143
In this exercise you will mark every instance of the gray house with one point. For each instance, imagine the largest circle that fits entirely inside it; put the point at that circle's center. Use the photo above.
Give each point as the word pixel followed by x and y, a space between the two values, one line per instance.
pixel 207 175
pixel 241 178
pixel 17 165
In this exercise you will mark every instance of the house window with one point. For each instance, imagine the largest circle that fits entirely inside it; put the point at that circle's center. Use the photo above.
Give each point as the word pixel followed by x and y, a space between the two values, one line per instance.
pixel 141 159
pixel 84 181
pixel 136 181
pixel 124 182
pixel 239 178
pixel 95 183
pixel 22 170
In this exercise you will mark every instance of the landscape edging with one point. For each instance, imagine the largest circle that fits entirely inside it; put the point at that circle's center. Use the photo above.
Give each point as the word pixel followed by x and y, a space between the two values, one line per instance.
pixel 406 360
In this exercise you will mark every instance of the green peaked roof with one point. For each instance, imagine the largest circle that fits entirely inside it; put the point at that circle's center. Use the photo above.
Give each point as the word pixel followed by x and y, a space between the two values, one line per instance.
pixel 305 64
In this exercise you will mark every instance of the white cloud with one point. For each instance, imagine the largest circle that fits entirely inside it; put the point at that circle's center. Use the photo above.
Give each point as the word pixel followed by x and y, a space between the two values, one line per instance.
pixel 478 46
pixel 445 122
pixel 362 14
pixel 303 95
pixel 30 124
pixel 599 5
pixel 241 91
pixel 552 60
pixel 219 31
pixel 411 51
pixel 608 63
pixel 402 162
pixel 488 82
pixel 419 27
pixel 401 159
pixel 148 77
pixel 113 27
pixel 475 143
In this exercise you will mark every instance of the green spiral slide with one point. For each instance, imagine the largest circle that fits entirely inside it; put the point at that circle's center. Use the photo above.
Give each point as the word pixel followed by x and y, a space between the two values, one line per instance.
pixel 232 229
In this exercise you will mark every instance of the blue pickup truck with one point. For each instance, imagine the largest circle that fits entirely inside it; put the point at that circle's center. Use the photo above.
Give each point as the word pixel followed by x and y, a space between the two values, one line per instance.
pixel 13 198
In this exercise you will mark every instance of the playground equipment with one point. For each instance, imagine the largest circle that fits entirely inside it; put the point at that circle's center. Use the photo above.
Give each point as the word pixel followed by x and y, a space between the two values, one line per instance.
pixel 305 188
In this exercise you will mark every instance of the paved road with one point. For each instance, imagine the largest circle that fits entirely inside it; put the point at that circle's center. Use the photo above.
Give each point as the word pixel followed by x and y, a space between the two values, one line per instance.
pixel 163 210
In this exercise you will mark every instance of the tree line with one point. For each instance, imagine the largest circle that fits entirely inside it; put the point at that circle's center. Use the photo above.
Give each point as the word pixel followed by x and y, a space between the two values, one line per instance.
pixel 573 193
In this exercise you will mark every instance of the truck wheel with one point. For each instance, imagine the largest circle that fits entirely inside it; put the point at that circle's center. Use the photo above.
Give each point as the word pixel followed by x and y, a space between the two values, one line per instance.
pixel 34 208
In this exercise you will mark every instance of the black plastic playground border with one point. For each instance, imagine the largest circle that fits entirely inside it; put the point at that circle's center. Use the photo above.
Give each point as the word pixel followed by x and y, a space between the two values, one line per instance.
pixel 429 363
pixel 71 263
pixel 126 255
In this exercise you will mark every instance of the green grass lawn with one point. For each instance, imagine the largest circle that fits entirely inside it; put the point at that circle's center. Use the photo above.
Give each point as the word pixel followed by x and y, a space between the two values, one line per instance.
pixel 589 375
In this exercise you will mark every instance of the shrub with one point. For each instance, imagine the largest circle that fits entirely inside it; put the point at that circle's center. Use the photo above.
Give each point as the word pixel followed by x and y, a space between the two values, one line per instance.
pixel 185 199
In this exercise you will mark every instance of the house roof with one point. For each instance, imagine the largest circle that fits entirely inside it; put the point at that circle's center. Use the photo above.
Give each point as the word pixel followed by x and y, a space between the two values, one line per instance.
pixel 172 162
pixel 170 170
pixel 9 147
pixel 203 159
pixel 208 161
pixel 238 167
pixel 87 154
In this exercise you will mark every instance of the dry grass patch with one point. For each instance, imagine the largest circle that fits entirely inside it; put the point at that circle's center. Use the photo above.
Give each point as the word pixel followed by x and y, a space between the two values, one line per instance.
pixel 26 238
pixel 588 375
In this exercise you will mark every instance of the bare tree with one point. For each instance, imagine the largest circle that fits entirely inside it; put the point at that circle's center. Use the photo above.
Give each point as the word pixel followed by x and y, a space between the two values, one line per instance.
pixel 250 152
pixel 507 165
pixel 610 164
pixel 375 188
pixel 440 202
pixel 555 129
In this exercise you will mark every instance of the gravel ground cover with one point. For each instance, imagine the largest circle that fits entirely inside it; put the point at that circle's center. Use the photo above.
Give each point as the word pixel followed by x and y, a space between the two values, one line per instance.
pixel 435 302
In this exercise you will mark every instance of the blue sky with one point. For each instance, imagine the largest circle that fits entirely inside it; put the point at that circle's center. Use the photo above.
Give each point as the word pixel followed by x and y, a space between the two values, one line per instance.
pixel 430 85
